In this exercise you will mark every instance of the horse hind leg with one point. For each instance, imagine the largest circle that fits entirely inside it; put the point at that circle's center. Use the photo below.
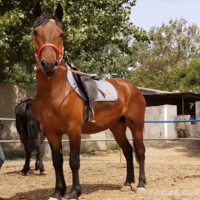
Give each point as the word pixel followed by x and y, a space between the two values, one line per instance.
pixel 39 163
pixel 119 132
pixel 136 125
pixel 26 167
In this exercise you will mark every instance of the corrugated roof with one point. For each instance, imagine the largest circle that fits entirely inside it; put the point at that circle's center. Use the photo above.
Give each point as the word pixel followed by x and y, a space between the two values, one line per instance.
pixel 188 95
pixel 152 90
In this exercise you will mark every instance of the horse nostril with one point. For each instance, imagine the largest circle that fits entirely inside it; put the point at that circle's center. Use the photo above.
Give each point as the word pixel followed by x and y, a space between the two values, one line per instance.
pixel 43 63
pixel 55 63
pixel 52 65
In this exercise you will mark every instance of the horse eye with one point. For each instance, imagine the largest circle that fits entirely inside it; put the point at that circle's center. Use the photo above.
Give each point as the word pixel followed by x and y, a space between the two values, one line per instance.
pixel 62 34
pixel 35 33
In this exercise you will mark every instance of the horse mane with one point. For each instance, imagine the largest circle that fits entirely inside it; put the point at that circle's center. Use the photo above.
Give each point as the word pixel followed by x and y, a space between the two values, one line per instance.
pixel 44 19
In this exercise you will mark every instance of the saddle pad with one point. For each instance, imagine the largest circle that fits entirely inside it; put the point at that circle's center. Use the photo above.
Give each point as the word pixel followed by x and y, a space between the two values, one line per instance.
pixel 104 86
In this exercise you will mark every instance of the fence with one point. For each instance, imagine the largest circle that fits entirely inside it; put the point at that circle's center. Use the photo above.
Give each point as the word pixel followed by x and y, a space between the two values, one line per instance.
pixel 105 140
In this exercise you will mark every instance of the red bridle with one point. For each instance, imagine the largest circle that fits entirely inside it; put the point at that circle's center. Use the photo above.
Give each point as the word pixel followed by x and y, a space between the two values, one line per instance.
pixel 61 52
pixel 37 54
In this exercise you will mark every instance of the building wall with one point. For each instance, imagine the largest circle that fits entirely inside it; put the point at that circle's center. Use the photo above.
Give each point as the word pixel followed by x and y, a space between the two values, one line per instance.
pixel 10 96
pixel 189 128
pixel 197 104
pixel 160 130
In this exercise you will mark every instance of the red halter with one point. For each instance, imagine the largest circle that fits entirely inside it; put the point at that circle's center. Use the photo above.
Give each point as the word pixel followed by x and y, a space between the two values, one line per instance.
pixel 37 54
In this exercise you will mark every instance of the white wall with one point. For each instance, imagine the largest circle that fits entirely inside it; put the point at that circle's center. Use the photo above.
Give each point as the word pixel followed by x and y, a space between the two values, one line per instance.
pixel 197 105
pixel 190 128
pixel 10 96
pixel 160 130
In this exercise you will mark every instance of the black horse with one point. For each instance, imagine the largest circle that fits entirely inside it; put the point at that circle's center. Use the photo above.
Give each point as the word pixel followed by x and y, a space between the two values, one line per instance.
pixel 31 135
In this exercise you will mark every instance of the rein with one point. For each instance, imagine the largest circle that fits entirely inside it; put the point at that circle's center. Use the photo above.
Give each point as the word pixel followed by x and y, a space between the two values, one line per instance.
pixel 73 71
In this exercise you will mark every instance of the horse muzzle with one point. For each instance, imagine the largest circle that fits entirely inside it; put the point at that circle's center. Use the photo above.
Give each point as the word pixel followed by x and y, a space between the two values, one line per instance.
pixel 49 68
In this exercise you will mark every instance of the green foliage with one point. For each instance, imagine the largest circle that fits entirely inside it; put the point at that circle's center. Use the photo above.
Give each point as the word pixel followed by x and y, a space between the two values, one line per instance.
pixel 86 150
pixel 171 61
pixel 112 62
pixel 94 34
pixel 115 147
pixel 189 77
pixel 15 154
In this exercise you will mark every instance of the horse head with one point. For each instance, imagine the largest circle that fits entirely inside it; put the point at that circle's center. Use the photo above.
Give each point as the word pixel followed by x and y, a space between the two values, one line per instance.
pixel 48 41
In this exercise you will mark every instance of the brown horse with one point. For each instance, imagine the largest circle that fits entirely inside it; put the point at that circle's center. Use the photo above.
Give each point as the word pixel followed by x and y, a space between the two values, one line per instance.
pixel 60 110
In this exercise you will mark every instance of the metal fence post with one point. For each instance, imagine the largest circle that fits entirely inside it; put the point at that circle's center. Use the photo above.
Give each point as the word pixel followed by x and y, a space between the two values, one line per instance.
pixel 121 156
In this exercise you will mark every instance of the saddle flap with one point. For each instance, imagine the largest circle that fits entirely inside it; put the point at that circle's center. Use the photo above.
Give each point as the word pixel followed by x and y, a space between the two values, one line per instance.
pixel 90 86
pixel 106 91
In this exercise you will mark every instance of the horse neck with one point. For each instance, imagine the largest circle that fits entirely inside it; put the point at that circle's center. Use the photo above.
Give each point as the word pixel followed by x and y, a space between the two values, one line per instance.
pixel 51 87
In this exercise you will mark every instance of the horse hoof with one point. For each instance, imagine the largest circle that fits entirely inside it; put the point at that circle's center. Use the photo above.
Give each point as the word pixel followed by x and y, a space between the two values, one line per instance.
pixel 51 198
pixel 73 199
pixel 43 173
pixel 140 191
pixel 126 188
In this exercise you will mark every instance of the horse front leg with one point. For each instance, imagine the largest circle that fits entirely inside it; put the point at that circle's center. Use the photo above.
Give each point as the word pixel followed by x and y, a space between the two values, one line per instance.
pixel 75 143
pixel 57 157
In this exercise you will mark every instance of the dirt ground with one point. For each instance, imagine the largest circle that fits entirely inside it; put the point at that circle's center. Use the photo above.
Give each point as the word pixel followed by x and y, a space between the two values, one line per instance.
pixel 172 172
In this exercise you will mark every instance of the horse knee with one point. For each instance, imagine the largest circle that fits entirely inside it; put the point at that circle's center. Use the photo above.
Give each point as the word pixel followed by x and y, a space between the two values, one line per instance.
pixel 139 151
pixel 74 164
pixel 128 151
pixel 57 159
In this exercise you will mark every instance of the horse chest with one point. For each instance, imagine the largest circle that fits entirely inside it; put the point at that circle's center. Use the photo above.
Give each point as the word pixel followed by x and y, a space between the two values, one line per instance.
pixel 46 113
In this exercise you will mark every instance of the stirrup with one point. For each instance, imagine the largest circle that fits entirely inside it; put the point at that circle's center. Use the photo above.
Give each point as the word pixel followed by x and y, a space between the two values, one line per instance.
pixel 93 116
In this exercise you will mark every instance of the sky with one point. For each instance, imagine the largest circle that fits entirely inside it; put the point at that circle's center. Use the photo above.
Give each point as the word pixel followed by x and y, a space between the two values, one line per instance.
pixel 149 13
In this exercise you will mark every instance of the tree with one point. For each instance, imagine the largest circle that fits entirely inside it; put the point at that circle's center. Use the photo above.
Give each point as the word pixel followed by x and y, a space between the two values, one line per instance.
pixel 173 47
pixel 91 28
pixel 189 77
pixel 112 62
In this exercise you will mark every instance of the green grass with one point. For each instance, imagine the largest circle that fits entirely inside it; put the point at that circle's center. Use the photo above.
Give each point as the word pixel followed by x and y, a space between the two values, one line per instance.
pixel 20 154
pixel 115 147
pixel 86 150
pixel 15 154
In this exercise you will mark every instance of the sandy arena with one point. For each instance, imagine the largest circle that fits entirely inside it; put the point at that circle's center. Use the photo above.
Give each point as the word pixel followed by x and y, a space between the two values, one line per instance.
pixel 172 172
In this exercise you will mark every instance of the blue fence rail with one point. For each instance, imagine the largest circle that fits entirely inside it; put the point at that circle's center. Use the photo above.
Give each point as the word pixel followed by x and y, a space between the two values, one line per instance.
pixel 175 121
pixel 180 121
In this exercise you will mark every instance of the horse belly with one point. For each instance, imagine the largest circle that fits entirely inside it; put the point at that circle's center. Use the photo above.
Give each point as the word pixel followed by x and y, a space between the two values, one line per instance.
pixel 101 123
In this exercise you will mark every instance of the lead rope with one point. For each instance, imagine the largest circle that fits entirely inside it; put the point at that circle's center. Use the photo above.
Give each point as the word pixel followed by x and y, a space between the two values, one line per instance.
pixel 72 66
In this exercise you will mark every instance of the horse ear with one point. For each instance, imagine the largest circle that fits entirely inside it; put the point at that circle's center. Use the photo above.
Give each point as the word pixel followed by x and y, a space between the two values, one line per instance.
pixel 37 10
pixel 59 12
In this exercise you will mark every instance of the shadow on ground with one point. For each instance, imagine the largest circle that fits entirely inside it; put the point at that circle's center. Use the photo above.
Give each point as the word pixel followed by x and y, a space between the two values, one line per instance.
pixel 44 194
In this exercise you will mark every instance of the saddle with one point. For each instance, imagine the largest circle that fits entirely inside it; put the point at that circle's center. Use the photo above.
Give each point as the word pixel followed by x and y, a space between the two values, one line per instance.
pixel 90 89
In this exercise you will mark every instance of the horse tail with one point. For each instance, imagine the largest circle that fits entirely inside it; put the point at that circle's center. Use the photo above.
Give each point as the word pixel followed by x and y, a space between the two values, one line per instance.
pixel 32 128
